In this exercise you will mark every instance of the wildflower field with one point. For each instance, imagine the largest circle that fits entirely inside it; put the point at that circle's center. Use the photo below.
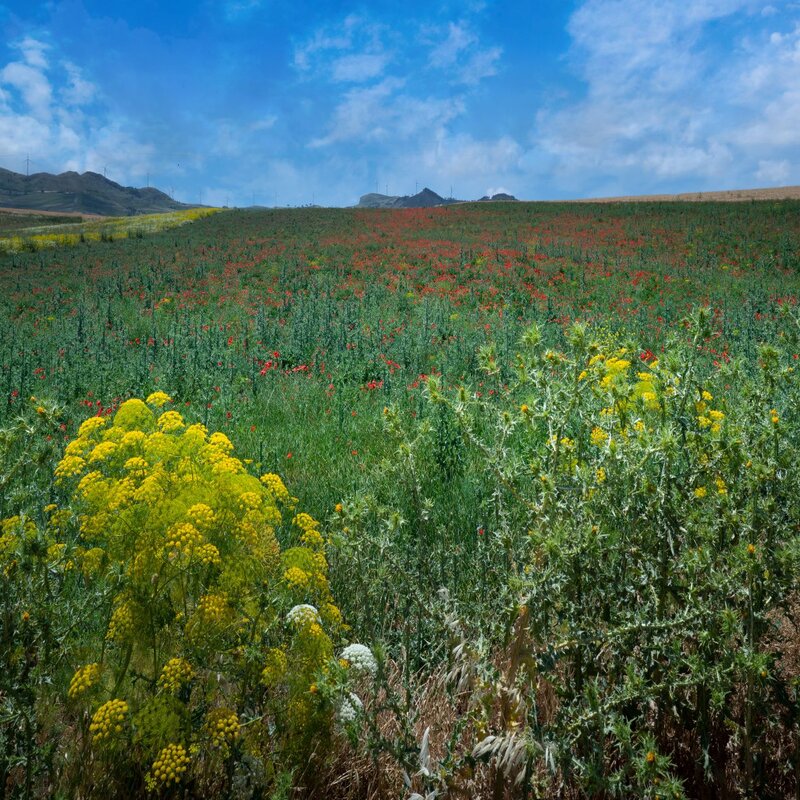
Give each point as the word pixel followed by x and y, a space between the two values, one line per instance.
pixel 490 500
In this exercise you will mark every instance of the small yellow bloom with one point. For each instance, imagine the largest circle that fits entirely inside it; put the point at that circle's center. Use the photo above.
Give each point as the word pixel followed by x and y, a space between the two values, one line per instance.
pixel 598 436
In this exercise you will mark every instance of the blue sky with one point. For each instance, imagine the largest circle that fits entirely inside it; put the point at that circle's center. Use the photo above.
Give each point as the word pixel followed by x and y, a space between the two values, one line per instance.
pixel 230 101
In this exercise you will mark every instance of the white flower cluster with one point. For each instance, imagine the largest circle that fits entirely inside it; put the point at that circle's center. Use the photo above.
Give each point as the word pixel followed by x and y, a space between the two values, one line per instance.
pixel 360 659
pixel 302 615
pixel 350 707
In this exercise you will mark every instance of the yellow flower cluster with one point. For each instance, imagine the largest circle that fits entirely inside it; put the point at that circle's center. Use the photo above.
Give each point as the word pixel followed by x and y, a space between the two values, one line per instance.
pixel 275 667
pixel 55 551
pixel 83 680
pixel 121 625
pixel 170 422
pixel 109 720
pixel 330 615
pixel 276 487
pixel 305 569
pixel 615 370
pixel 184 538
pixel 297 578
pixel 111 228
pixel 176 673
pixel 169 766
pixel 222 727
pixel 647 389
pixel 208 554
pixel 250 501
pixel 91 561
pixel 201 516
pixel 158 399
pixel 212 608
pixel 598 436
pixel 102 452
pixel 136 464
pixel 68 467
pixel 706 417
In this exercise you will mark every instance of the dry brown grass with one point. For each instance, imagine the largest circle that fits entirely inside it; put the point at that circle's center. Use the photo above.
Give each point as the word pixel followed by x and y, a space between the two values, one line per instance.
pixel 36 213
pixel 730 195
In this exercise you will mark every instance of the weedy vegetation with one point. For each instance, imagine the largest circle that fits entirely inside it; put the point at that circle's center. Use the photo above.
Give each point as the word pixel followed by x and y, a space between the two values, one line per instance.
pixel 490 501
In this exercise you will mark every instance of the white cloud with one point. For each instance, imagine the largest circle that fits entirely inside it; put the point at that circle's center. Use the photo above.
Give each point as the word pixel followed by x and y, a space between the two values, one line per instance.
pixel 264 124
pixel 459 37
pixel 33 52
pixel 115 148
pixel 460 53
pixel 483 64
pixel 769 88
pixel 353 33
pixel 21 134
pixel 359 67
pixel 776 172
pixel 32 85
pixel 79 91
pixel 462 156
pixel 383 112
pixel 661 104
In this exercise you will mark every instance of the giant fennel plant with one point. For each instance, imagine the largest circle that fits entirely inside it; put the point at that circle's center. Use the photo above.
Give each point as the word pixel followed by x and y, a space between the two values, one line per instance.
pixel 205 670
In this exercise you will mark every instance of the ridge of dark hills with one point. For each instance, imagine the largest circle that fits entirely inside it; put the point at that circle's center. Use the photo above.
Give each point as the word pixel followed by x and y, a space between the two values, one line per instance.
pixel 427 198
pixel 89 193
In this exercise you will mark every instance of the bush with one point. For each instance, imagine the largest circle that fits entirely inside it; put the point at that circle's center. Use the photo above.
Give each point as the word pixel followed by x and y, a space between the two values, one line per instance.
pixel 203 639
pixel 644 550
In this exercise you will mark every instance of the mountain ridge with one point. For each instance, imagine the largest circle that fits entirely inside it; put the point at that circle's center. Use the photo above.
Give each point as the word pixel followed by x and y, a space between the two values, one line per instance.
pixel 87 193
pixel 427 198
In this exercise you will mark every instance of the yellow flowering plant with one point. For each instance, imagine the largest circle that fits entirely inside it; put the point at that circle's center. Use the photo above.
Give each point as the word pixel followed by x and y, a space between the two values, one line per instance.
pixel 205 657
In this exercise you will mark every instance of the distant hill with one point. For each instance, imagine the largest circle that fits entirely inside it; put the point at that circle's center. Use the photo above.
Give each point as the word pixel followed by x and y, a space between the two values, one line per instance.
pixel 502 197
pixel 427 198
pixel 89 193
pixel 424 199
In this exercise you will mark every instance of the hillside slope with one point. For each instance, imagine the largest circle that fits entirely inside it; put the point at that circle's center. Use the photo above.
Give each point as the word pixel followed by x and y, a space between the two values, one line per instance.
pixel 89 193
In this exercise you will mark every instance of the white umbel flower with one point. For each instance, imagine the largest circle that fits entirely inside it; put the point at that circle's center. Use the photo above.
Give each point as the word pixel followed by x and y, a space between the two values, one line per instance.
pixel 360 658
pixel 350 707
pixel 303 615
